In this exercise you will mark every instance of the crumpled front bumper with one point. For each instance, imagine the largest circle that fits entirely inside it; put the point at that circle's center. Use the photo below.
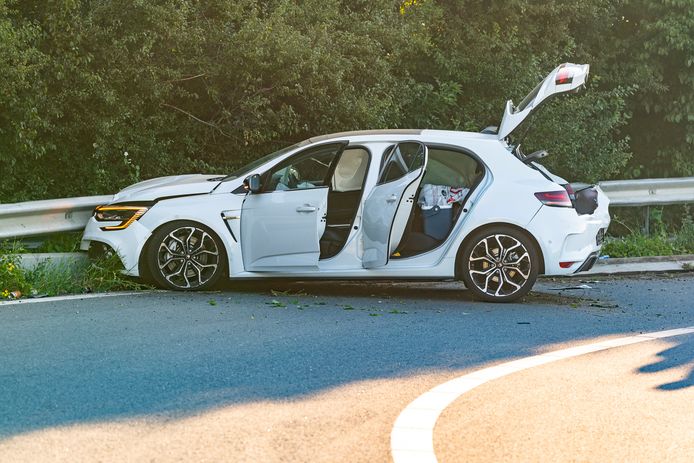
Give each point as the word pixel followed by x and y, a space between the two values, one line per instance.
pixel 127 243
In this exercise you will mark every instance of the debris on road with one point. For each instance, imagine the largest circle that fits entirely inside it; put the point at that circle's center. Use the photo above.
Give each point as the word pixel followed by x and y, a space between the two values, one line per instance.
pixel 604 305
pixel 567 288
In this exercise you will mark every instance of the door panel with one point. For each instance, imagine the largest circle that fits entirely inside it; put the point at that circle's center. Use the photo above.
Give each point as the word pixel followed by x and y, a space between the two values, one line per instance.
pixel 282 229
pixel 281 226
pixel 389 205
pixel 402 216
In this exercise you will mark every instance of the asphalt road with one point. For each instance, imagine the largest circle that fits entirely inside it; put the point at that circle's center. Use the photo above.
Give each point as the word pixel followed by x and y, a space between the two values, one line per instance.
pixel 357 352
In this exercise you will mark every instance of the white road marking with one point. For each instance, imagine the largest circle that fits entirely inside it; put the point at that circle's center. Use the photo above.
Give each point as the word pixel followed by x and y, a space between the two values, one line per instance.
pixel 412 437
pixel 69 298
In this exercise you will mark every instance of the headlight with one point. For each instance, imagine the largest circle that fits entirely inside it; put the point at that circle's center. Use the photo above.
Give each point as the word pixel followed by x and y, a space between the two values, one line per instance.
pixel 123 214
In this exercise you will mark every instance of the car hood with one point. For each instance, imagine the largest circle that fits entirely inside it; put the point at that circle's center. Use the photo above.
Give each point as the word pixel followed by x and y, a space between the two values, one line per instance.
pixel 175 185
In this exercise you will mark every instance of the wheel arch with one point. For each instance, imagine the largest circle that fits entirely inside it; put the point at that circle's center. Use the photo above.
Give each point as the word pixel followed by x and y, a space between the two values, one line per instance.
pixel 486 226
pixel 143 268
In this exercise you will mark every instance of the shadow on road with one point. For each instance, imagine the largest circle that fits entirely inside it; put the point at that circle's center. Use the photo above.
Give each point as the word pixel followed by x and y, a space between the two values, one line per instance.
pixel 680 355
pixel 424 290
pixel 176 354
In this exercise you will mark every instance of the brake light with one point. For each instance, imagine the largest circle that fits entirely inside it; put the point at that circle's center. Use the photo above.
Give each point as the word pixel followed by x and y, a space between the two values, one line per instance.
pixel 564 76
pixel 554 198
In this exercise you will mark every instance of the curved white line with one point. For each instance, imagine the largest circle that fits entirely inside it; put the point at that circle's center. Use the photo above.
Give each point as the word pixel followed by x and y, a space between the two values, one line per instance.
pixel 70 298
pixel 412 437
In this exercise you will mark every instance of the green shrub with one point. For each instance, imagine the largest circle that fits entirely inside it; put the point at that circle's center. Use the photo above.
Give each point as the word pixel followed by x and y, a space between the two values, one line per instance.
pixel 685 237
pixel 637 245
pixel 13 281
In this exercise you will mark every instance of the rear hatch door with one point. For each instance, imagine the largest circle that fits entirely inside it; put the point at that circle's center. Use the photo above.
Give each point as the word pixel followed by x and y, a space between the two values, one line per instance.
pixel 565 78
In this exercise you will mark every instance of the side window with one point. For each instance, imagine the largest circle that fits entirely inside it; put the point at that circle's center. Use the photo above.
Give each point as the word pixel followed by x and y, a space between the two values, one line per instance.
pixel 308 169
pixel 400 160
pixel 452 168
pixel 449 177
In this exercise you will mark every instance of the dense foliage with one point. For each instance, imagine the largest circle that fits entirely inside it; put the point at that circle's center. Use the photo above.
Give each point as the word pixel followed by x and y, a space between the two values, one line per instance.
pixel 97 94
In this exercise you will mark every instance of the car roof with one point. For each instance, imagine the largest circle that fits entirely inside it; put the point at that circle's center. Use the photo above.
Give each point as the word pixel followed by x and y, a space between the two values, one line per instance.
pixel 360 133
pixel 381 134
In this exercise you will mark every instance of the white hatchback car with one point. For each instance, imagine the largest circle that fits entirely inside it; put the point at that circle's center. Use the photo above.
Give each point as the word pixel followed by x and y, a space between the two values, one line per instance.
pixel 386 204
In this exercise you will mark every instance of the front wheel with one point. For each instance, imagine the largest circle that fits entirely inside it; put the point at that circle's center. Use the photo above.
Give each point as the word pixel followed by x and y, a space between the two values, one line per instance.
pixel 185 256
pixel 499 264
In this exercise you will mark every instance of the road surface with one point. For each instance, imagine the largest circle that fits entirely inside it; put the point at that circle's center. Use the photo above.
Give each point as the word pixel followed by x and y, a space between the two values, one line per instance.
pixel 320 371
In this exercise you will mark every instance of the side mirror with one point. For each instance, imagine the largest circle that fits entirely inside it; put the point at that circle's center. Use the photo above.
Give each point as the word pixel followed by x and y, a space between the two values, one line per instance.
pixel 252 183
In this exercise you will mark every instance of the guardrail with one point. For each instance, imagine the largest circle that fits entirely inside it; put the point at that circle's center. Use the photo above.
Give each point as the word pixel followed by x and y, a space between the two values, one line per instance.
pixel 649 191
pixel 71 214
pixel 34 218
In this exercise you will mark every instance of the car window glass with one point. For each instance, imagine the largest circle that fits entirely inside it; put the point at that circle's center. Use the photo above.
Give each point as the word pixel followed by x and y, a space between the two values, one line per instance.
pixel 304 171
pixel 402 159
pixel 452 168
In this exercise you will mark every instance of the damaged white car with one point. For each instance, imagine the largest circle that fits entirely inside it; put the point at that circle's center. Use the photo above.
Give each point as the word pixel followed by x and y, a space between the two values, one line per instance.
pixel 386 204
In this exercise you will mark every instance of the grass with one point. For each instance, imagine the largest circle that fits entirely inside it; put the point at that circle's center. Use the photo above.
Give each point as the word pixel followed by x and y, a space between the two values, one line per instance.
pixel 58 278
pixel 638 245
pixel 658 244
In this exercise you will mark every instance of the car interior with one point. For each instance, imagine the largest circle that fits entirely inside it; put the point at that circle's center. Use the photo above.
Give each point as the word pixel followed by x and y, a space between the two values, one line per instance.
pixel 346 187
pixel 449 179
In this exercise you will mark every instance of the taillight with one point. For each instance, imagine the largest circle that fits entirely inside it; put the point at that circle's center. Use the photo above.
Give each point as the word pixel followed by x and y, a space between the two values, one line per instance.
pixel 554 198
pixel 564 76
pixel 569 189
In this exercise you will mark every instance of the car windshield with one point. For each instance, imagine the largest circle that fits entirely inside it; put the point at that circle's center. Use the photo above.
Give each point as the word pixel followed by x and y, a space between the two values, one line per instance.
pixel 250 167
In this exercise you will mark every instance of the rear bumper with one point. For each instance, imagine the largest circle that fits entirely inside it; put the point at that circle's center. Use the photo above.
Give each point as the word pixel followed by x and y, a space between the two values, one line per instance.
pixel 568 238
pixel 589 262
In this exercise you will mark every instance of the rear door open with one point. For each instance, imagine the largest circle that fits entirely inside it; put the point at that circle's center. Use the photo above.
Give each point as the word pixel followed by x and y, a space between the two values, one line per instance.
pixel 388 207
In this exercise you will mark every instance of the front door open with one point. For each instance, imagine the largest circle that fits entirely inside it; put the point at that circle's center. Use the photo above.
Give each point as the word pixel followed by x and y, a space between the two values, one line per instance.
pixel 281 226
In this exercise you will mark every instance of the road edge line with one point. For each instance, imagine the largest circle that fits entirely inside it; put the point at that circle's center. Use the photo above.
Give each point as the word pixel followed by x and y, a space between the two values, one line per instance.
pixel 70 297
pixel 412 436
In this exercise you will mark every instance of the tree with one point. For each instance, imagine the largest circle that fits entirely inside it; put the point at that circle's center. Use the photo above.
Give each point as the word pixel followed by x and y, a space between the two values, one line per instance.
pixel 99 94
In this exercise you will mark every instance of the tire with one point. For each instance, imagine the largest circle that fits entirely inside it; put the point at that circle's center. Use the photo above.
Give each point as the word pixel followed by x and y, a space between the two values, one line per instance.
pixel 185 256
pixel 499 264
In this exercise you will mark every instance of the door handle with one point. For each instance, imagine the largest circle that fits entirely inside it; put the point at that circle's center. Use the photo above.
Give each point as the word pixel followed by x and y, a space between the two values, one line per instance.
pixel 306 208
pixel 392 198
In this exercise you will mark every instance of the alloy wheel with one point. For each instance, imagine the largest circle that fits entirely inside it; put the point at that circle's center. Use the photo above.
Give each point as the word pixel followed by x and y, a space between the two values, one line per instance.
pixel 499 265
pixel 188 257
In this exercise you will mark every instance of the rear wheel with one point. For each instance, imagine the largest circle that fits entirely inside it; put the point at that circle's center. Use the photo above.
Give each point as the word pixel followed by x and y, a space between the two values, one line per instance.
pixel 499 264
pixel 185 256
